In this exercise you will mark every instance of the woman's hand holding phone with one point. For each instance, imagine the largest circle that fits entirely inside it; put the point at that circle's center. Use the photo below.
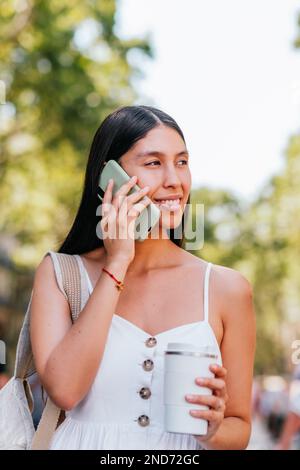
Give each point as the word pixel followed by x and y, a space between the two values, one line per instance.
pixel 119 213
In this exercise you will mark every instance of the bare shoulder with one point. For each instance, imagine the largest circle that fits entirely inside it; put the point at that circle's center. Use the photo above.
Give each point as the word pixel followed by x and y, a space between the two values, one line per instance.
pixel 44 272
pixel 189 260
pixel 45 279
pixel 230 287
pixel 226 280
pixel 234 292
pixel 231 282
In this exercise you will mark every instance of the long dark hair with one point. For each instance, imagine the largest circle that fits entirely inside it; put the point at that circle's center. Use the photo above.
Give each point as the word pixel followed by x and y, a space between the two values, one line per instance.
pixel 116 135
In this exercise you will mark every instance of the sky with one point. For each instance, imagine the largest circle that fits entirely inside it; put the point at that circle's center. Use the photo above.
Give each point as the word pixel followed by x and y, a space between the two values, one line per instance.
pixel 228 73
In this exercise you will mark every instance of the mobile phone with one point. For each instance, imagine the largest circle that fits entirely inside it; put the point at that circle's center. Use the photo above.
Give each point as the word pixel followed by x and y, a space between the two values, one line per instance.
pixel 148 218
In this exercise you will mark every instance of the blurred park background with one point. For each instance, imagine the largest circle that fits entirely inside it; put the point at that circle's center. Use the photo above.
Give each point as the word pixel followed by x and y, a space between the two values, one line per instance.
pixel 66 64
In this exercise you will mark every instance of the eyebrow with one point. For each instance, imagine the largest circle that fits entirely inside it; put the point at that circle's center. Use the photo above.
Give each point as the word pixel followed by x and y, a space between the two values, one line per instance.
pixel 153 153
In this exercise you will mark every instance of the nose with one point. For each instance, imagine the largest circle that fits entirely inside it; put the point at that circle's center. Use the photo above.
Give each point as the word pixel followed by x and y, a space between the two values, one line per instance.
pixel 171 177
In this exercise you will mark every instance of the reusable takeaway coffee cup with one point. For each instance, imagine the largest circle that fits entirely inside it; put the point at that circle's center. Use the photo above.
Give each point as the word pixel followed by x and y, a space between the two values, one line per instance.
pixel 182 364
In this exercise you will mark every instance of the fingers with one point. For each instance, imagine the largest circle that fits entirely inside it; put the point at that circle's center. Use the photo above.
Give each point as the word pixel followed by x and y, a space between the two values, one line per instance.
pixel 212 401
pixel 216 404
pixel 136 209
pixel 218 370
pixel 126 222
pixel 216 401
pixel 212 383
pixel 128 203
pixel 117 208
pixel 123 191
pixel 209 415
pixel 107 198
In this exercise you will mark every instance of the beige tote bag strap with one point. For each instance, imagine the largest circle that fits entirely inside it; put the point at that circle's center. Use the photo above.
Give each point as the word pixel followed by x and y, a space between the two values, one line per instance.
pixel 71 280
pixel 68 277
pixel 46 426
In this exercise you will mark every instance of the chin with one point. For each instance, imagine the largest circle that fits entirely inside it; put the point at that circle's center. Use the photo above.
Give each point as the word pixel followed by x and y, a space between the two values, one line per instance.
pixel 170 220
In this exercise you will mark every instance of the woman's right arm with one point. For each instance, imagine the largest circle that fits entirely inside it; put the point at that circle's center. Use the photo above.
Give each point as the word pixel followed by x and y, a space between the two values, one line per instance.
pixel 67 356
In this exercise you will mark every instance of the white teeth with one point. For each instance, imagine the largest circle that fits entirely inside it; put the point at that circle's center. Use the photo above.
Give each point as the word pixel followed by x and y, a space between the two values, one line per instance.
pixel 170 204
pixel 169 201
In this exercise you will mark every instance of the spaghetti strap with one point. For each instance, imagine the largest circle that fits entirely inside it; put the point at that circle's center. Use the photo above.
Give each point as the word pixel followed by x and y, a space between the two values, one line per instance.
pixel 206 291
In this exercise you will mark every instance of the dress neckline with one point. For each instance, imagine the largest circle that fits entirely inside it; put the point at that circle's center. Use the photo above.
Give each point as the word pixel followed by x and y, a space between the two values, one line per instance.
pixel 143 332
pixel 164 332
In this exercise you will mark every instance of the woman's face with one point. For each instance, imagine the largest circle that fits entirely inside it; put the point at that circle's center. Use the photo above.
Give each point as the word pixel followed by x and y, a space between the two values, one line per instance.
pixel 160 161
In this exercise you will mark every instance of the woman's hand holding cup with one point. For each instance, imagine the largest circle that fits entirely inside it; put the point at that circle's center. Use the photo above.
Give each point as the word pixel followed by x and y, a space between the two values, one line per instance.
pixel 216 402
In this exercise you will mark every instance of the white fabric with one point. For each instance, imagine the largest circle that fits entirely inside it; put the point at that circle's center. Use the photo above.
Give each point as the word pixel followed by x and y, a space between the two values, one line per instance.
pixel 107 417
pixel 16 425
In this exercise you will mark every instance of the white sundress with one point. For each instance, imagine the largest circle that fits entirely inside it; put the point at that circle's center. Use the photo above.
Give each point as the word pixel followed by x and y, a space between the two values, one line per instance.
pixel 124 406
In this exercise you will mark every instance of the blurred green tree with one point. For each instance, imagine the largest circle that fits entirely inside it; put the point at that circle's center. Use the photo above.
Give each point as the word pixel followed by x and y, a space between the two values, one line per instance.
pixel 261 239
pixel 276 266
pixel 65 69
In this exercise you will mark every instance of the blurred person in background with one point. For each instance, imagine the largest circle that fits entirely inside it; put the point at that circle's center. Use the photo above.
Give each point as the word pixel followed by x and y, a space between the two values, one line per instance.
pixel 256 397
pixel 292 423
pixel 274 403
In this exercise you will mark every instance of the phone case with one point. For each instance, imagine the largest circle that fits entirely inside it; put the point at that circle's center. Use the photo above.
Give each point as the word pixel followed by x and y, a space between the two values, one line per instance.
pixel 148 218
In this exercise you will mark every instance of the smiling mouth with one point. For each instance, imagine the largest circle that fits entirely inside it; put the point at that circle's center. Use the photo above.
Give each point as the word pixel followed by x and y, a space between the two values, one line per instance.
pixel 169 204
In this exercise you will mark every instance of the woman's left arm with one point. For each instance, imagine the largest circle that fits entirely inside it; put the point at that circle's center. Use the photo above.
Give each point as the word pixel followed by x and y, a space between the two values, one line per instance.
pixel 229 416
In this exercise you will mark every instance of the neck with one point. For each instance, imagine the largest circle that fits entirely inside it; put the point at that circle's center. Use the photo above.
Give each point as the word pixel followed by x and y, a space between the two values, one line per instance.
pixel 153 254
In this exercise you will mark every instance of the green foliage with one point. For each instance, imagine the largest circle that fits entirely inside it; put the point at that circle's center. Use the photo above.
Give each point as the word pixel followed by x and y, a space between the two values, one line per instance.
pixel 262 241
pixel 65 70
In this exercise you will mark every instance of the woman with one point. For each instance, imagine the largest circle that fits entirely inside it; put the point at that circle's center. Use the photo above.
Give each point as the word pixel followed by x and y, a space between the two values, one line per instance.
pixel 106 369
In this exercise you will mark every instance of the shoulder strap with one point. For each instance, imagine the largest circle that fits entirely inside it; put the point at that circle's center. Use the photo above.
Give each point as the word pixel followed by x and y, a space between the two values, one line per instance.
pixel 46 427
pixel 68 278
pixel 69 281
pixel 24 366
pixel 206 291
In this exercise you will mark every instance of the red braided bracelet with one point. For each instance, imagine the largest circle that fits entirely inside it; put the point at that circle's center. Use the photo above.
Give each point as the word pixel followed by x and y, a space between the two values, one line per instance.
pixel 119 284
